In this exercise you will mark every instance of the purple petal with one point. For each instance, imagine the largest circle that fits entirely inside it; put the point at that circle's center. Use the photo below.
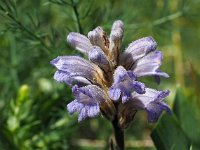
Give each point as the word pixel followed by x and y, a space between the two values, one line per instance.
pixel 87 101
pixel 74 106
pixel 92 92
pixel 115 39
pixel 61 76
pixel 152 102
pixel 117 31
pixel 74 67
pixel 61 62
pixel 154 111
pixel 97 56
pixel 137 50
pixel 98 37
pixel 149 65
pixel 88 111
pixel 125 84
pixel 125 97
pixel 118 25
pixel 139 87
pixel 114 93
pixel 79 42
pixel 120 74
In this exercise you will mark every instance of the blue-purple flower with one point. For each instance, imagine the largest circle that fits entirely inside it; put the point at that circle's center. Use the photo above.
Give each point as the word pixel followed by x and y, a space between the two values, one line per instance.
pixel 87 101
pixel 107 83
pixel 151 101
pixel 124 84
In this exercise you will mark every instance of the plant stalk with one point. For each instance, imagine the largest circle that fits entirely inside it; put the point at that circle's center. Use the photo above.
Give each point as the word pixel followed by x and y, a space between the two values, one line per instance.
pixel 118 135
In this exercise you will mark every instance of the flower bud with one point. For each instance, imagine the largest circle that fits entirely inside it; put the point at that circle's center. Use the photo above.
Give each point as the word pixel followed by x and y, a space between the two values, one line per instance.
pixel 115 41
pixel 79 42
pixel 98 37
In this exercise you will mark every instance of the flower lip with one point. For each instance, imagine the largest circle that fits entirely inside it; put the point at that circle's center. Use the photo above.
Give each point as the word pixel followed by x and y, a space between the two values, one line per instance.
pixel 152 102
pixel 145 45
pixel 136 50
pixel 124 84
pixel 114 93
pixel 54 61
pixel 162 95
pixel 93 92
pixel 84 111
pixel 87 101
pixel 149 65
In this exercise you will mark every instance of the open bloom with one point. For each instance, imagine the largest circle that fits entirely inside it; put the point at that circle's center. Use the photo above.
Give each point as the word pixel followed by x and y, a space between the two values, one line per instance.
pixel 107 83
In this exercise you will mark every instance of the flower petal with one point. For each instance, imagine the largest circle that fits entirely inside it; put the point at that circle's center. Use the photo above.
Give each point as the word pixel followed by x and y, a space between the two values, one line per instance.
pixel 154 111
pixel 79 42
pixel 116 36
pixel 88 111
pixel 124 84
pixel 87 101
pixel 73 67
pixel 152 102
pixel 64 62
pixel 74 106
pixel 149 65
pixel 117 32
pixel 98 37
pixel 97 56
pixel 137 50
pixel 61 76
pixel 114 93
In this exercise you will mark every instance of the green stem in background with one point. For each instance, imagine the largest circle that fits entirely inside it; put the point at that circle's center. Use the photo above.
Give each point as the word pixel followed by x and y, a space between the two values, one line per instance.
pixel 167 18
pixel 118 135
pixel 178 58
pixel 74 6
pixel 23 28
pixel 159 21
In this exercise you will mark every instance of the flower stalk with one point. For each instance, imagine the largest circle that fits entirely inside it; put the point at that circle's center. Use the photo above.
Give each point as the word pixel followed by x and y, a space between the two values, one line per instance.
pixel 118 135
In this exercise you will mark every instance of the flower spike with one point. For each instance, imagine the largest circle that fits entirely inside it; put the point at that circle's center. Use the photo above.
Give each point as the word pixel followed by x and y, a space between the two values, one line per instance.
pixel 109 83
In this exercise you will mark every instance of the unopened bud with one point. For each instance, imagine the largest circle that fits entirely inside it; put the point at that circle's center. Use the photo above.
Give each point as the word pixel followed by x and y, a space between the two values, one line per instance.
pixel 79 42
pixel 98 37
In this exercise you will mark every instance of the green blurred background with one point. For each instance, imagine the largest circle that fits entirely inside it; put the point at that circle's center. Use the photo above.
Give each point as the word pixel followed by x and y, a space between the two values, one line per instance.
pixel 33 105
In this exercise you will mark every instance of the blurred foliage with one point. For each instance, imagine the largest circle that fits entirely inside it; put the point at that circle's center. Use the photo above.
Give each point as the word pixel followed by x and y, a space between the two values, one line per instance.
pixel 33 105
pixel 180 131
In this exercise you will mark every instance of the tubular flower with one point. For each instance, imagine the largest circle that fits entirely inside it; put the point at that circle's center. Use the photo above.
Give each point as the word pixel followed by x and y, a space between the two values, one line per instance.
pixel 124 83
pixel 107 83
pixel 87 101
pixel 151 101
